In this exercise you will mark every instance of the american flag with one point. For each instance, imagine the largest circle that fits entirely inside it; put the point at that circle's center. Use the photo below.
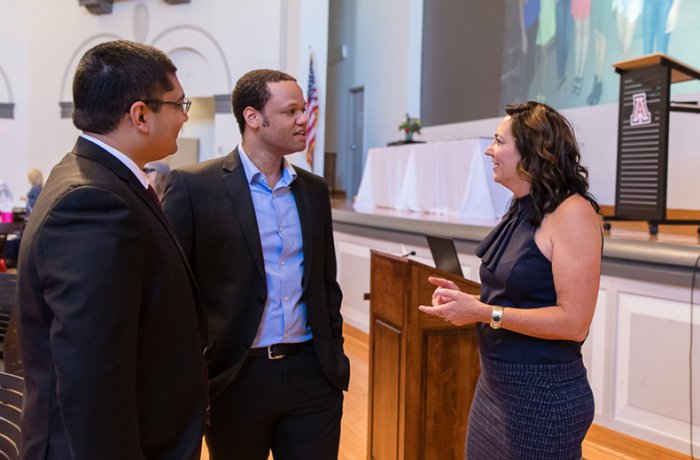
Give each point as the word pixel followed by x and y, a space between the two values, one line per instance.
pixel 312 113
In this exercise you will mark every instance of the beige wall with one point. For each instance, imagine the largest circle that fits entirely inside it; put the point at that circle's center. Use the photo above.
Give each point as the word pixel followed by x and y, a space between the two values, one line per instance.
pixel 212 42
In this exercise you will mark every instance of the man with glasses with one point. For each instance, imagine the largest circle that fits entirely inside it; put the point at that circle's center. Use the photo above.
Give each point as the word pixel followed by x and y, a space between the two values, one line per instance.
pixel 259 235
pixel 108 309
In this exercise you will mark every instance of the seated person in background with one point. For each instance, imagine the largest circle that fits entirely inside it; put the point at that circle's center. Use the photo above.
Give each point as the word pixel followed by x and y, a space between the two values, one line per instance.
pixel 6 244
pixel 6 197
pixel 156 173
pixel 36 180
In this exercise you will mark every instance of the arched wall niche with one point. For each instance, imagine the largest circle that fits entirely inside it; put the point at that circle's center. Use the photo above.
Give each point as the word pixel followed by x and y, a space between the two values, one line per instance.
pixel 7 106
pixel 5 87
pixel 66 97
pixel 201 63
pixel 203 72
pixel 202 67
pixel 193 71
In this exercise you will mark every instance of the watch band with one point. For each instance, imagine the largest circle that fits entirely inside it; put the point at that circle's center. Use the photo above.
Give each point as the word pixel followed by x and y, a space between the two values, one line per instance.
pixel 496 317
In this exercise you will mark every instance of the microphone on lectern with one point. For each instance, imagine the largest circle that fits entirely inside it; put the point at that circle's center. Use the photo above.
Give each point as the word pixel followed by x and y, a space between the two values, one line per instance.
pixel 406 253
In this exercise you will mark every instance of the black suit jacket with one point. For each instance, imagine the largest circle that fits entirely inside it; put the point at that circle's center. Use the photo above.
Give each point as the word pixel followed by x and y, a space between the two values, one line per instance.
pixel 108 321
pixel 211 209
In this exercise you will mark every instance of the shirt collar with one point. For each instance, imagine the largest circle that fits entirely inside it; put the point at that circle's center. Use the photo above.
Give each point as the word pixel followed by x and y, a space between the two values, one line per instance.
pixel 254 175
pixel 128 162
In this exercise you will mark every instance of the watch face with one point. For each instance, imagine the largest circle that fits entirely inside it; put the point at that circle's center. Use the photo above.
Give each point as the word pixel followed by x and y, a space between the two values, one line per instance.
pixel 496 317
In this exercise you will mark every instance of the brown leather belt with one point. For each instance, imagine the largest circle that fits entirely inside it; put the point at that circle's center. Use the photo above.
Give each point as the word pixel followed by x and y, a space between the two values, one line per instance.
pixel 279 350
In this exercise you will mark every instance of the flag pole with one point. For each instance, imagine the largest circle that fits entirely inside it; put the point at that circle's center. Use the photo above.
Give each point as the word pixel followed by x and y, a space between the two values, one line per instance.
pixel 312 112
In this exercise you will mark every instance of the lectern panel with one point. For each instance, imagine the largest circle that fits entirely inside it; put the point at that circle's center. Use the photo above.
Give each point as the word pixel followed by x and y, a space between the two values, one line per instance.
pixel 422 370
pixel 388 289
pixel 642 144
pixel 450 375
pixel 386 354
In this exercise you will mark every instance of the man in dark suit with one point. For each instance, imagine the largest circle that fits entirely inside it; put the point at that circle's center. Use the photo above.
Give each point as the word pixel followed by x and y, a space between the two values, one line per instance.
pixel 111 338
pixel 259 236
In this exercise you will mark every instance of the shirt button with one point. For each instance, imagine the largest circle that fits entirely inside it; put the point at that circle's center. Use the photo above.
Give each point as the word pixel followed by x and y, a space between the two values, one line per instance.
pixel 286 298
pixel 282 262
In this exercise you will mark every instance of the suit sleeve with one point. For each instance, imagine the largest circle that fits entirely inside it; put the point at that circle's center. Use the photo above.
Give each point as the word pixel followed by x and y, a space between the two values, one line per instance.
pixel 89 258
pixel 178 207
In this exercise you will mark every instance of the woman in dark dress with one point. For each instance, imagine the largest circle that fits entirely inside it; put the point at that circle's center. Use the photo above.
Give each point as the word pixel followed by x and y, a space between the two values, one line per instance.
pixel 540 275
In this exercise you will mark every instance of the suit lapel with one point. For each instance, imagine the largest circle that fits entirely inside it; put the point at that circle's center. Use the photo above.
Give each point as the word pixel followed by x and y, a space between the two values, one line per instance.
pixel 242 203
pixel 301 196
pixel 88 149
pixel 85 148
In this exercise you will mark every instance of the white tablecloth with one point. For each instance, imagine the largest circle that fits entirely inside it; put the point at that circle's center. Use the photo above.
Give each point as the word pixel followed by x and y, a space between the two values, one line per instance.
pixel 451 178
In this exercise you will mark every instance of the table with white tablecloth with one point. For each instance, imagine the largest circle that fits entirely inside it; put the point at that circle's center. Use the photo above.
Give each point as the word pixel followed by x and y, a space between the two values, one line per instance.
pixel 452 178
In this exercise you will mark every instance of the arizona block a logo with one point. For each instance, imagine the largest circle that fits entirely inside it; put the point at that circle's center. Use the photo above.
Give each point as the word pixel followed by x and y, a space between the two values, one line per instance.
pixel 640 110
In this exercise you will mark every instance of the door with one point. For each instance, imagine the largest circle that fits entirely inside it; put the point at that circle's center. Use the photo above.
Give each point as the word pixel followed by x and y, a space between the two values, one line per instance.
pixel 356 147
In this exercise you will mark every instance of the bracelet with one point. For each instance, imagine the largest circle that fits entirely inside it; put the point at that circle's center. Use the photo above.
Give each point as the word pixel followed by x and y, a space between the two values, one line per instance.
pixel 496 317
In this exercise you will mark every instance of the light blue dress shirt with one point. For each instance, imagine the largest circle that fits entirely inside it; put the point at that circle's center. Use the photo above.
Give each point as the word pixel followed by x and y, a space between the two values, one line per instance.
pixel 284 319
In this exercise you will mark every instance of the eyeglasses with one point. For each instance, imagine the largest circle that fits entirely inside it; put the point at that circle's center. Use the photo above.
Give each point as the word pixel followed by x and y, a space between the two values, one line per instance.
pixel 184 106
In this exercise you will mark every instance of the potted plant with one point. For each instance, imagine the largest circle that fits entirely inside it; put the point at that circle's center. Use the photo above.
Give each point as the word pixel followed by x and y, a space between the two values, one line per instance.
pixel 409 126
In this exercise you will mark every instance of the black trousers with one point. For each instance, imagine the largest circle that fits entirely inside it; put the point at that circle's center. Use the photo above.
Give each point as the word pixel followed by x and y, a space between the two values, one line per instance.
pixel 286 405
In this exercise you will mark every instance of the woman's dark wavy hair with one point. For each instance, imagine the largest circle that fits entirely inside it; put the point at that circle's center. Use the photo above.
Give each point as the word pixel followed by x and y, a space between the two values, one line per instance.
pixel 550 157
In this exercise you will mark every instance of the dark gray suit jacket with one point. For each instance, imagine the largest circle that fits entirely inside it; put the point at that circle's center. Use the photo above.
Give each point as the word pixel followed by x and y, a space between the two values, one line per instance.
pixel 108 320
pixel 211 209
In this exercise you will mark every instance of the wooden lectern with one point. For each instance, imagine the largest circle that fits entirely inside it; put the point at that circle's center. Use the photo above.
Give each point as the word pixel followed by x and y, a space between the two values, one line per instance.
pixel 642 139
pixel 422 370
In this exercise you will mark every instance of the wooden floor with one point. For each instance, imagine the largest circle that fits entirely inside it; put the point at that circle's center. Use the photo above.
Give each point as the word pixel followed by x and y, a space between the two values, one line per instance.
pixel 600 444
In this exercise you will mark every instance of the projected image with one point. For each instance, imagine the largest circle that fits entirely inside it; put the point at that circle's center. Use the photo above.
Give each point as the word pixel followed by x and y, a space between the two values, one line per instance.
pixel 561 51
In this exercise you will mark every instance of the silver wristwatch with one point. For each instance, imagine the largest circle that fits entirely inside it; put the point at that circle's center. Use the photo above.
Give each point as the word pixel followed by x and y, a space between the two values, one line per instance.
pixel 496 317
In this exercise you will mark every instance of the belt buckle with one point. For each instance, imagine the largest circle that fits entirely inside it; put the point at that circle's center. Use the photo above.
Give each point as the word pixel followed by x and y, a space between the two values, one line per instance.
pixel 272 357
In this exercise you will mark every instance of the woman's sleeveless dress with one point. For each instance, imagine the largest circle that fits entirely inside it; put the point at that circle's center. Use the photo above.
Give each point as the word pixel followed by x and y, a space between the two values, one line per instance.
pixel 533 400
